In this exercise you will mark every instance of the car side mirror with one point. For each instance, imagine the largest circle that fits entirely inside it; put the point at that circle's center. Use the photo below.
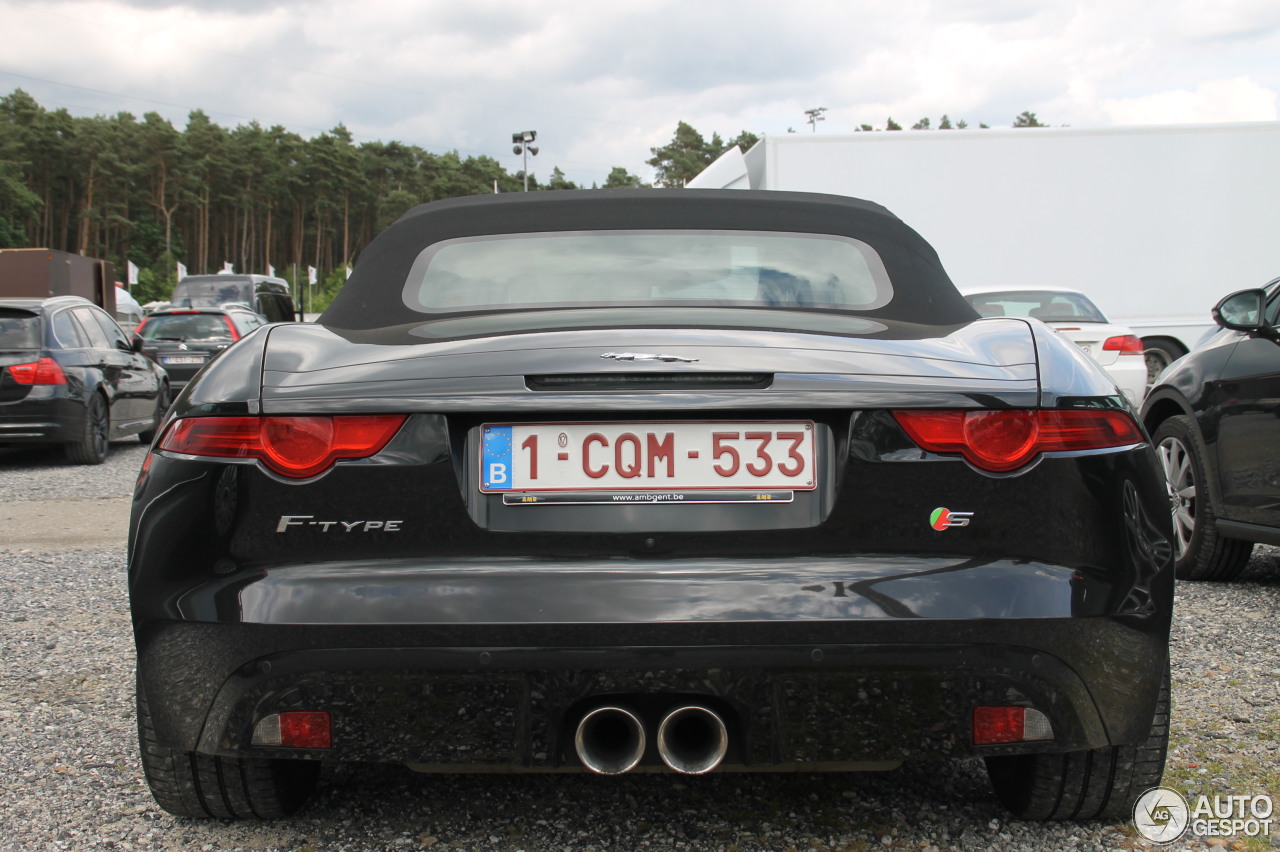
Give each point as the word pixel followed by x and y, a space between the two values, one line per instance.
pixel 136 342
pixel 1242 311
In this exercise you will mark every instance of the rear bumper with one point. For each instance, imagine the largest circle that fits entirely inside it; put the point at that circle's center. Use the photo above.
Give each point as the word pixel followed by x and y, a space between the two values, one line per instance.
pixel 832 674
pixel 867 637
pixel 45 419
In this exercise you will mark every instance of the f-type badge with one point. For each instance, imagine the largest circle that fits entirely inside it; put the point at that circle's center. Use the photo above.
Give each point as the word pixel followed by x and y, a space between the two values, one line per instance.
pixel 944 519
pixel 645 356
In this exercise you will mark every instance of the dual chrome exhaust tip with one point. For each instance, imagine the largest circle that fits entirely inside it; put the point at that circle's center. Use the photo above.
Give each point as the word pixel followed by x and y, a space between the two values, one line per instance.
pixel 691 739
pixel 610 740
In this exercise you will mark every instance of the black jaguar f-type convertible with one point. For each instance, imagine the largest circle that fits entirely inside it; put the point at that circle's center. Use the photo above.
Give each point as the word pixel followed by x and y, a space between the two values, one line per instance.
pixel 651 480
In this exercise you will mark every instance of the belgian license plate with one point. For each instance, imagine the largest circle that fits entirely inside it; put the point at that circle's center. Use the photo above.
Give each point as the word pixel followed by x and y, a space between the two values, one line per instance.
pixel 182 359
pixel 695 462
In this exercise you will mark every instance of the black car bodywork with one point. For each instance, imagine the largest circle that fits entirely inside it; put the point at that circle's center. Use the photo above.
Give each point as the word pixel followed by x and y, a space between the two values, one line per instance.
pixel 69 375
pixel 1213 416
pixel 182 340
pixel 973 558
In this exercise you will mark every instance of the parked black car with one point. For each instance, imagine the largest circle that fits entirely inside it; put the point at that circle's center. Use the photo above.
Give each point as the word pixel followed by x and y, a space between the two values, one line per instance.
pixel 683 480
pixel 70 375
pixel 1213 415
pixel 182 339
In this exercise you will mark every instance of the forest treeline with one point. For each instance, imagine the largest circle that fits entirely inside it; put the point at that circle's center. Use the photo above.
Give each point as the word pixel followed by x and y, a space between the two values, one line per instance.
pixel 140 190
pixel 258 198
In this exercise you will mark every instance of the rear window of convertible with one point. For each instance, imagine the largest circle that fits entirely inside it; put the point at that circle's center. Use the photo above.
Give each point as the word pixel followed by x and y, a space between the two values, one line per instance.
pixel 576 269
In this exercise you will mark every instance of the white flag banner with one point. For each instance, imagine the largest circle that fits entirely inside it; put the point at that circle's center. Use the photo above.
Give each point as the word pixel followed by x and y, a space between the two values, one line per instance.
pixel 311 275
pixel 348 271
pixel 271 271
pixel 182 270
pixel 227 268
pixel 133 272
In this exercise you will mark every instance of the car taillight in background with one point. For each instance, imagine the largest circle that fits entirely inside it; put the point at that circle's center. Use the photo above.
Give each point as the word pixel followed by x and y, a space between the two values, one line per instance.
pixel 43 372
pixel 1126 344
pixel 1004 440
pixel 294 446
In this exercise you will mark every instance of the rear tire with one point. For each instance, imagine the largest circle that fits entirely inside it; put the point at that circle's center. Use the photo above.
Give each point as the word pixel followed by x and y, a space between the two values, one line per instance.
pixel 95 437
pixel 1160 353
pixel 1082 785
pixel 162 408
pixel 1200 553
pixel 195 785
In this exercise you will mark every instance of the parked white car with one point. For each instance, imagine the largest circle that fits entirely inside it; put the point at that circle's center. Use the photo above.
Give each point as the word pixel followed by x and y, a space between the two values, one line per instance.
pixel 1115 347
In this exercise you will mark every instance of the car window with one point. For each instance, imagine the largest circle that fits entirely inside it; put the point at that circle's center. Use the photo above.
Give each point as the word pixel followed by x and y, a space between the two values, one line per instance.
pixel 111 329
pixel 19 329
pixel 1046 305
pixel 573 269
pixel 275 307
pixel 246 323
pixel 211 291
pixel 92 331
pixel 67 331
pixel 186 327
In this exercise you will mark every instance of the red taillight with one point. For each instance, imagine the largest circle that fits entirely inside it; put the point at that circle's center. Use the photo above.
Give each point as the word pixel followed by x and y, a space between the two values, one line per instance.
pixel 1002 440
pixel 994 725
pixel 231 327
pixel 293 446
pixel 1125 344
pixel 43 372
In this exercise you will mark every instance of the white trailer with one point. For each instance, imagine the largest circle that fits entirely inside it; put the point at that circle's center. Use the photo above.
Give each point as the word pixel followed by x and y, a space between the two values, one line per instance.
pixel 1155 224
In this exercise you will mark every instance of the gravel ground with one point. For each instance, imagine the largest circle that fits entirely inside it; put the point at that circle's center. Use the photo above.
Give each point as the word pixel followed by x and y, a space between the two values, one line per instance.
pixel 70 778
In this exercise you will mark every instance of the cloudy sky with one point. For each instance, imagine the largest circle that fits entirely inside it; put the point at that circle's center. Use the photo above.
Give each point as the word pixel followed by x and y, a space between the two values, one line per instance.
pixel 603 81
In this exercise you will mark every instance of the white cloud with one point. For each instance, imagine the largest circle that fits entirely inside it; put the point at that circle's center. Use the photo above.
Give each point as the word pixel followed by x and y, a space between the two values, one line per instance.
pixel 1237 99
pixel 604 82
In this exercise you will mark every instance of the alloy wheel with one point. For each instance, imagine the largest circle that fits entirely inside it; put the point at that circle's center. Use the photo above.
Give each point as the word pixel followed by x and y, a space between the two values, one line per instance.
pixel 1180 485
pixel 99 424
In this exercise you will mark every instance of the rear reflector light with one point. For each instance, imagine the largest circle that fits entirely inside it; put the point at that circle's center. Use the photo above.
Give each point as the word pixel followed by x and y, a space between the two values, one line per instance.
pixel 1125 344
pixel 1006 439
pixel 994 725
pixel 295 729
pixel 43 372
pixel 297 447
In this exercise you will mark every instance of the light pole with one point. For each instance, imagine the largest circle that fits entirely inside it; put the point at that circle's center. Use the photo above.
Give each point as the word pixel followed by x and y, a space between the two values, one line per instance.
pixel 523 145
pixel 815 115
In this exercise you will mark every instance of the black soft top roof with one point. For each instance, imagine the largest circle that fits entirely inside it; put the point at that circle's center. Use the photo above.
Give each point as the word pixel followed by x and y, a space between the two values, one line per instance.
pixel 922 291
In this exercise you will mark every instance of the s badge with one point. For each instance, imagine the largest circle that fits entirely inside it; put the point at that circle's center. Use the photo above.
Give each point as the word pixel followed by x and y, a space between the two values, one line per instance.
pixel 943 519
